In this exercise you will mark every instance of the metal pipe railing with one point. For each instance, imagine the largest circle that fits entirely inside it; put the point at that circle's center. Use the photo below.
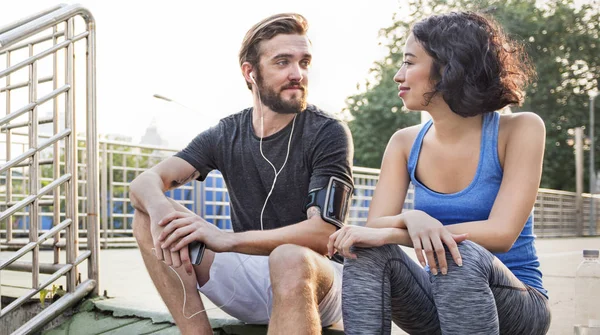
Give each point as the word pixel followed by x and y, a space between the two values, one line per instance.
pixel 92 177
pixel 65 269
pixel 24 84
pixel 30 18
pixel 13 162
pixel 43 54
pixel 57 308
pixel 32 163
pixel 32 197
pixel 51 233
pixel 34 104
pixel 33 26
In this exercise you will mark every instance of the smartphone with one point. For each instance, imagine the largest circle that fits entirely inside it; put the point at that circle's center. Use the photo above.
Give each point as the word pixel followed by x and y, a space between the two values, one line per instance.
pixel 196 252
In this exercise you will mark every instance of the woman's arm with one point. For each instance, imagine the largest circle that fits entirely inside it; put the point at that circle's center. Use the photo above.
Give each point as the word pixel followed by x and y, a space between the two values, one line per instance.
pixel 523 160
pixel 391 189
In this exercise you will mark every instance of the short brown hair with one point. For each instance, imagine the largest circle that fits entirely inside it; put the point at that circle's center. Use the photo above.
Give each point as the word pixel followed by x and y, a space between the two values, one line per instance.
pixel 284 23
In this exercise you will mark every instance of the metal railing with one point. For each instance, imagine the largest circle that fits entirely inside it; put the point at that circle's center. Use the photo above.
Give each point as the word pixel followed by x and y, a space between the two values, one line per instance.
pixel 121 162
pixel 40 175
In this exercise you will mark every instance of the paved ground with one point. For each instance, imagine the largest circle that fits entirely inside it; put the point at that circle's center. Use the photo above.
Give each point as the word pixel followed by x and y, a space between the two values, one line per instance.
pixel 124 277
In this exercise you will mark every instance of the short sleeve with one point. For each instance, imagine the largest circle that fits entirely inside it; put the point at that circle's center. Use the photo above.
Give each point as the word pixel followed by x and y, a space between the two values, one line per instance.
pixel 200 152
pixel 332 154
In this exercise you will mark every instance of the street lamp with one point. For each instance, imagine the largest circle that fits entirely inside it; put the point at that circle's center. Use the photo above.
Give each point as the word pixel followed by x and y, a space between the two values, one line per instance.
pixel 593 95
pixel 162 97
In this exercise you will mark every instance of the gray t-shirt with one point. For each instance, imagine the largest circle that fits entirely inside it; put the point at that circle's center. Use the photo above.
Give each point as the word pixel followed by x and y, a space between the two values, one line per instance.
pixel 321 147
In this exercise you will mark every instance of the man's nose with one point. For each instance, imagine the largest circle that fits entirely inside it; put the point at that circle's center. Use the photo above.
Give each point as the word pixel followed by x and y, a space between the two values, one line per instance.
pixel 296 73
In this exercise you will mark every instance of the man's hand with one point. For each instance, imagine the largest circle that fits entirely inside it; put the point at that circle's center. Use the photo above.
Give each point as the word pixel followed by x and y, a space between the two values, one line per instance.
pixel 181 229
pixel 177 258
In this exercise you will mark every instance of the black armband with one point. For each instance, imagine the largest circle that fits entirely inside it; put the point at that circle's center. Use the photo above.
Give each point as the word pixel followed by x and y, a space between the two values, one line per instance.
pixel 333 201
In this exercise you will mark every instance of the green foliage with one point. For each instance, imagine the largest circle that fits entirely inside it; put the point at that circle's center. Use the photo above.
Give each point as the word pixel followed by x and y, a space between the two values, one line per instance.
pixel 563 41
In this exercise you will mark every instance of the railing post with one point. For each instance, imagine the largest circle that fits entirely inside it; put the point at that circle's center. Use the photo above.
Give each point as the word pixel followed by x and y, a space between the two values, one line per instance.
pixel 579 179
pixel 93 229
pixel 71 162
pixel 103 194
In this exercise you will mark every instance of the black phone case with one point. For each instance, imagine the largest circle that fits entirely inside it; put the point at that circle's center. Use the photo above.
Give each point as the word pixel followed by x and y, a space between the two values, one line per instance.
pixel 196 252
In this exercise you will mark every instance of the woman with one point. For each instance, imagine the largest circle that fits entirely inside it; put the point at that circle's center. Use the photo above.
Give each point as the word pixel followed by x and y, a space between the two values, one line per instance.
pixel 476 174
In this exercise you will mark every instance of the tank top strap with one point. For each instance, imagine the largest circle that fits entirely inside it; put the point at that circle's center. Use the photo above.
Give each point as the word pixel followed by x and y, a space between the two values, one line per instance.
pixel 416 148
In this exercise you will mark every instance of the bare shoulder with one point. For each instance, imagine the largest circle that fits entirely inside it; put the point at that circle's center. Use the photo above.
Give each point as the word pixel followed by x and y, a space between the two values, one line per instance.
pixel 524 121
pixel 403 139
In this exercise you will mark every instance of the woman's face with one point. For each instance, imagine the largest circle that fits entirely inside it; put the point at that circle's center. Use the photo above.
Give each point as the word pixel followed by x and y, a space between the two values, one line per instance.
pixel 414 76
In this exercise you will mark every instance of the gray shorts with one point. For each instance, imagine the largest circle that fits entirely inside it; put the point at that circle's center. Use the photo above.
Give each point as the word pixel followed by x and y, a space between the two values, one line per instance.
pixel 241 285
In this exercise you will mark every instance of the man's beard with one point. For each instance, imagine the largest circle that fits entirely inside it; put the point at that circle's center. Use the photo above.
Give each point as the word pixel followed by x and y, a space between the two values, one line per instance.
pixel 275 102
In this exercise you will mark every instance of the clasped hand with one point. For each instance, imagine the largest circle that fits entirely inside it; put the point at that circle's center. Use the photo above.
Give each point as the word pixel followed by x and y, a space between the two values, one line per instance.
pixel 179 230
pixel 428 236
pixel 358 236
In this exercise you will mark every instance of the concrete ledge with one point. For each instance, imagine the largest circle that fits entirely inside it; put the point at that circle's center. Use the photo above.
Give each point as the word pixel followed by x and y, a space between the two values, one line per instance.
pixel 157 313
pixel 221 323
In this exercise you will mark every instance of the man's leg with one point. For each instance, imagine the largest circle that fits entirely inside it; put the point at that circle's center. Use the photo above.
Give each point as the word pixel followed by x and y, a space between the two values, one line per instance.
pixel 300 279
pixel 169 286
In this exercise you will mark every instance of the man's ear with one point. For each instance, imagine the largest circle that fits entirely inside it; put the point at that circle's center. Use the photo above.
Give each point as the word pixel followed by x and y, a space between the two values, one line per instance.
pixel 247 71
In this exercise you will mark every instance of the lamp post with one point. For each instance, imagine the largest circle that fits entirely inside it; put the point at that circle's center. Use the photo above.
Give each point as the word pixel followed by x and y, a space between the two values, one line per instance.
pixel 162 97
pixel 593 95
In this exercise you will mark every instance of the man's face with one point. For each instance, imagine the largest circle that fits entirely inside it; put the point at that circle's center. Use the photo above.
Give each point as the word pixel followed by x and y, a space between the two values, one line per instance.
pixel 282 73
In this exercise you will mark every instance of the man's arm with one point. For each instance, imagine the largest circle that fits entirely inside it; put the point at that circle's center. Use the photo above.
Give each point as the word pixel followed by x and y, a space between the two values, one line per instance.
pixel 332 154
pixel 312 233
pixel 146 193
pixel 147 190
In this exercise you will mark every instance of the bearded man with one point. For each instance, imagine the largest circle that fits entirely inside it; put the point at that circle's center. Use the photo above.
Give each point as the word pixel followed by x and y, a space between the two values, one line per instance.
pixel 287 168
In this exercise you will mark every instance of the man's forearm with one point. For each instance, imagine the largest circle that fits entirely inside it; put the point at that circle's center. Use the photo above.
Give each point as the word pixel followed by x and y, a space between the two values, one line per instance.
pixel 312 233
pixel 146 195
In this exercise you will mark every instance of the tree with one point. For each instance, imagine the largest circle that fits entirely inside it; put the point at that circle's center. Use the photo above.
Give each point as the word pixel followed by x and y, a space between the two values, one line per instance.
pixel 562 40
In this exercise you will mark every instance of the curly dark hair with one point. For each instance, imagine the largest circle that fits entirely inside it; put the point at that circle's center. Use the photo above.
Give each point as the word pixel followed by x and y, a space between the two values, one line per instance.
pixel 476 67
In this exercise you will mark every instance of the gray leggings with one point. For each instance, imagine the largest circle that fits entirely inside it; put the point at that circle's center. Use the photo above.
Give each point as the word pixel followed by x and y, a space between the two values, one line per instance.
pixel 481 297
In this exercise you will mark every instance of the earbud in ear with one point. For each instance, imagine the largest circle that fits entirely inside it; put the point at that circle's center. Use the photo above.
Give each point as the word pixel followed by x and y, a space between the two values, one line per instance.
pixel 252 78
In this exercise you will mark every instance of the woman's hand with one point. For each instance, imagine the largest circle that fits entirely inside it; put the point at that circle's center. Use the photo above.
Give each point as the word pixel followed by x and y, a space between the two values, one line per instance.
pixel 429 235
pixel 358 236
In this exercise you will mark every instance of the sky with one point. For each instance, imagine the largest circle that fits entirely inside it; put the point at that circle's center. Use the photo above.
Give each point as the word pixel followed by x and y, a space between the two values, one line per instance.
pixel 187 51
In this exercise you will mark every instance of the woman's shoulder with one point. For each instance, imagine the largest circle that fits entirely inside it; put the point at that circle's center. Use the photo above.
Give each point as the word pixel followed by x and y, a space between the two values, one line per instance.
pixel 406 136
pixel 402 140
pixel 522 124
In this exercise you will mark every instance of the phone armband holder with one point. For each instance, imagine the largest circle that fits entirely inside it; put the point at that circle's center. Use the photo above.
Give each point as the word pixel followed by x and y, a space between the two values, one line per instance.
pixel 333 201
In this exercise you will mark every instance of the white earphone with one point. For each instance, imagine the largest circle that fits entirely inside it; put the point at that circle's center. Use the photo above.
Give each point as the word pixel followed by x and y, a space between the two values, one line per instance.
pixel 277 172
pixel 262 210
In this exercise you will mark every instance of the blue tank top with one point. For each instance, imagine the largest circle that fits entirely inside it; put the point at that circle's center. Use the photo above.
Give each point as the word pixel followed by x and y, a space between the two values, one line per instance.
pixel 475 202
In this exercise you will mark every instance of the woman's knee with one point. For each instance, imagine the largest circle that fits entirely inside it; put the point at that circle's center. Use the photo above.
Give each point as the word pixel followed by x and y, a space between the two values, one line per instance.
pixel 370 259
pixel 473 253
pixel 476 262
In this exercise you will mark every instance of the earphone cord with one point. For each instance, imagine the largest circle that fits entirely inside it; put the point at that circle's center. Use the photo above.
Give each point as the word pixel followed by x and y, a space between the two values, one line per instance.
pixel 261 212
pixel 272 165
pixel 206 309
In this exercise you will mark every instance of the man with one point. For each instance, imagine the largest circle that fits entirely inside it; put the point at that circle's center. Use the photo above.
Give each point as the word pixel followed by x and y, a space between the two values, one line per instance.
pixel 287 167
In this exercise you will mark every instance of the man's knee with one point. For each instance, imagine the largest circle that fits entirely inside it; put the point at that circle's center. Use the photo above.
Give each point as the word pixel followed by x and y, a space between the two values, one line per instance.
pixel 292 269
